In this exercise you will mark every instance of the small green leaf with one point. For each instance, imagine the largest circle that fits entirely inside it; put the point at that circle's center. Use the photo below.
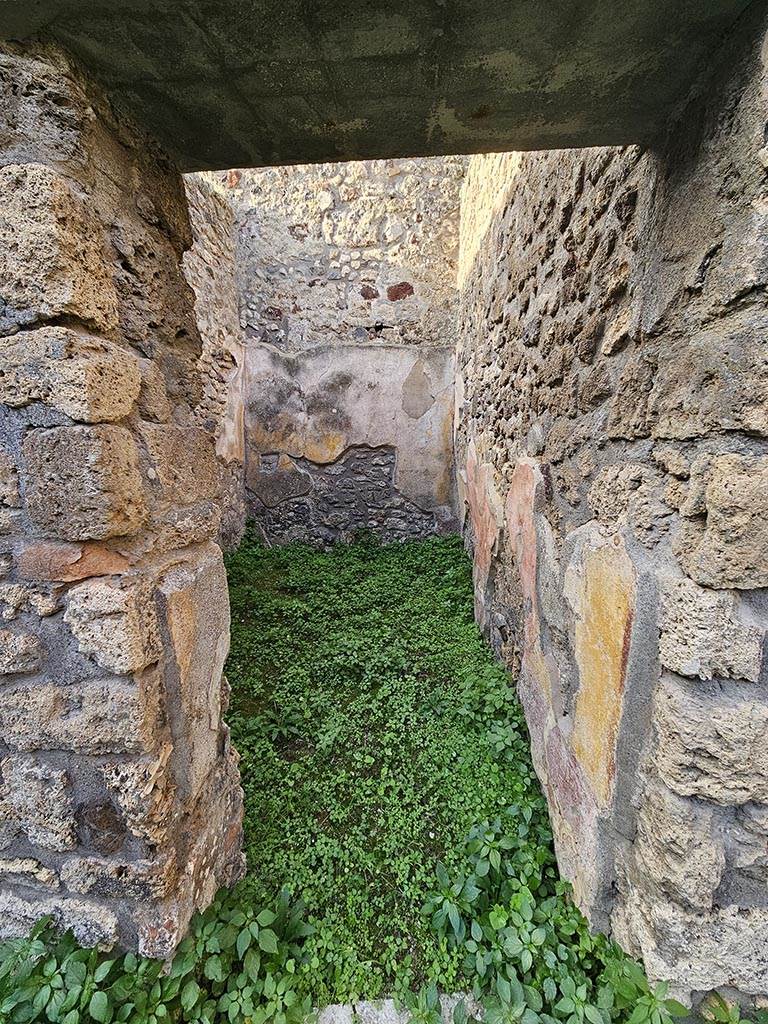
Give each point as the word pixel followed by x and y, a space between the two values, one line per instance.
pixel 190 994
pixel 268 940
pixel 243 942
pixel 99 1007
pixel 676 1009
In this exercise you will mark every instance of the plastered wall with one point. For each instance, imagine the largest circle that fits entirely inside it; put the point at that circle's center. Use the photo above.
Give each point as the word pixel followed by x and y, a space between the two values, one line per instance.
pixel 347 281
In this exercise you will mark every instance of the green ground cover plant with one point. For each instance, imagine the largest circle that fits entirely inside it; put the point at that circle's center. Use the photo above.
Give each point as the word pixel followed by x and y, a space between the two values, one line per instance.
pixel 396 836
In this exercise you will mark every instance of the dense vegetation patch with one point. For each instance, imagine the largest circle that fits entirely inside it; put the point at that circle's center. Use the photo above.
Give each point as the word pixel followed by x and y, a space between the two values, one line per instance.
pixel 397 839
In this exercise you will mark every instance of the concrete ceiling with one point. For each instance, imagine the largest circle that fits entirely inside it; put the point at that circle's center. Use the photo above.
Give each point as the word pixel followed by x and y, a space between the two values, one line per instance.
pixel 237 83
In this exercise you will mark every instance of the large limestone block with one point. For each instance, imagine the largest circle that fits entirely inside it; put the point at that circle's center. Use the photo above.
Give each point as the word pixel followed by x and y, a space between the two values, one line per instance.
pixel 696 952
pixel 711 744
pixel 92 923
pixel 52 258
pixel 83 483
pixel 701 634
pixel 210 834
pixel 729 547
pixel 94 717
pixel 113 620
pixel 45 114
pixel 183 462
pixel 86 378
pixel 36 801
pixel 714 381
pixel 678 847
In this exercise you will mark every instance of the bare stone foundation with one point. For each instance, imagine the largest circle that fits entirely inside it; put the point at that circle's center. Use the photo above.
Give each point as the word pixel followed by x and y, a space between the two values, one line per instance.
pixel 120 804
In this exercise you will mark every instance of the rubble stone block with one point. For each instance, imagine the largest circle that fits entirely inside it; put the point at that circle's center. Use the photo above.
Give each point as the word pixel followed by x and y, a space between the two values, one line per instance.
pixel 701 635
pixel 86 378
pixel 52 258
pixel 113 620
pixel 83 483
pixel 94 717
pixel 119 879
pixel 19 652
pixel 711 744
pixel 9 482
pixel 24 597
pixel 730 547
pixel 28 871
pixel 36 801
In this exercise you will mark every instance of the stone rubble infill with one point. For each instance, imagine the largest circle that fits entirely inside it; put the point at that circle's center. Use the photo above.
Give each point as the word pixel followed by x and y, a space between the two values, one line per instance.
pixel 384 1011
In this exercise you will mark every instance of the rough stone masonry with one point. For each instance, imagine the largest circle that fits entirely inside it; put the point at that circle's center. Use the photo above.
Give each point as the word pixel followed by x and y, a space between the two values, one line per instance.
pixel 120 803
pixel 612 449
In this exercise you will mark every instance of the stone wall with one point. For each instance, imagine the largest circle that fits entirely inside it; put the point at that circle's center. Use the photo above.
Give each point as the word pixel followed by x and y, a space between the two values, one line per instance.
pixel 348 305
pixel 210 268
pixel 350 437
pixel 120 804
pixel 612 445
